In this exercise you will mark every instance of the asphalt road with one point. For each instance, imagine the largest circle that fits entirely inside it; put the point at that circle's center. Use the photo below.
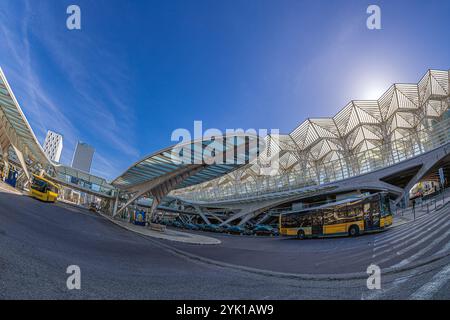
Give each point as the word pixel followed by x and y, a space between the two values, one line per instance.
pixel 38 241
pixel 396 246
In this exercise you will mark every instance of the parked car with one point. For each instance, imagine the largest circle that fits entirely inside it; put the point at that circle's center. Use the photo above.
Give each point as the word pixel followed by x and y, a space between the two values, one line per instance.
pixel 212 228
pixel 266 230
pixel 177 224
pixel 191 226
pixel 235 230
pixel 275 231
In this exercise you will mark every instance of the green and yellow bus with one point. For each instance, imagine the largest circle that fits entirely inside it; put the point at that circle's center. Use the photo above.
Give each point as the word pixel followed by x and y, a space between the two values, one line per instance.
pixel 352 216
pixel 43 189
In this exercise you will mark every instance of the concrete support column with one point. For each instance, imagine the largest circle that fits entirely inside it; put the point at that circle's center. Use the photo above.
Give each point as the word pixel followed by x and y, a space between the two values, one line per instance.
pixel 160 187
pixel 263 218
pixel 4 149
pixel 202 215
pixel 116 203
pixel 406 200
pixel 21 158
pixel 5 167
pixel 155 204
pixel 245 219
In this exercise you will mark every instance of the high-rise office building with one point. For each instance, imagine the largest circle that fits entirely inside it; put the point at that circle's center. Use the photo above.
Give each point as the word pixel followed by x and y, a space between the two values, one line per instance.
pixel 82 157
pixel 53 145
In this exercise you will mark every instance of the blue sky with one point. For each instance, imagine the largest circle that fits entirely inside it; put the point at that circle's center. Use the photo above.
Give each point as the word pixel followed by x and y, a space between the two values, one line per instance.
pixel 137 70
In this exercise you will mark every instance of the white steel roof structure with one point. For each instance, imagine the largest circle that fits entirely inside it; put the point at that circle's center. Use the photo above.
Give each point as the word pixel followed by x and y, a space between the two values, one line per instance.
pixel 362 135
pixel 15 130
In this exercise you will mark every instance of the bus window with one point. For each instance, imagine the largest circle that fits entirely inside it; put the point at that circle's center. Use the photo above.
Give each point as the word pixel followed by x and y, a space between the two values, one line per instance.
pixel 53 188
pixel 288 221
pixel 291 220
pixel 356 213
pixel 344 214
pixel 302 221
pixel 350 213
pixel 329 217
pixel 317 220
pixel 306 221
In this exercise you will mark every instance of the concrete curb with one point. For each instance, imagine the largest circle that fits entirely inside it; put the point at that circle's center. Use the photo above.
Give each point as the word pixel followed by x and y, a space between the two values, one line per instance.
pixel 211 241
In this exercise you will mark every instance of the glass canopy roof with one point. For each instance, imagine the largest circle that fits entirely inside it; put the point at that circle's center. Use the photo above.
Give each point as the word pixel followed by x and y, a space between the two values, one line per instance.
pixel 193 154
pixel 17 126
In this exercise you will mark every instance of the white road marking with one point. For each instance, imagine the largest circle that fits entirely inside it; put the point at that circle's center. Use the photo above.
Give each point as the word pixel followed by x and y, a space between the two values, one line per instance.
pixel 428 290
pixel 446 248
pixel 421 252
pixel 424 231
pixel 401 235
pixel 396 245
pixel 413 224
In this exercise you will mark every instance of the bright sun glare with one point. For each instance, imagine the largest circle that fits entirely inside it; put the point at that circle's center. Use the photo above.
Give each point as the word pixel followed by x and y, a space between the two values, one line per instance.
pixel 373 91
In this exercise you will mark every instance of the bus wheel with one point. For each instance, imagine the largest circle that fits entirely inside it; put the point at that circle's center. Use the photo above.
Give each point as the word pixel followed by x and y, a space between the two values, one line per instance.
pixel 301 234
pixel 353 231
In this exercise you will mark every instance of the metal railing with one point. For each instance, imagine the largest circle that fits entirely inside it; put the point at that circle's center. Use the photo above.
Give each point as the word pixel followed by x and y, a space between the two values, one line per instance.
pixel 425 205
pixel 380 157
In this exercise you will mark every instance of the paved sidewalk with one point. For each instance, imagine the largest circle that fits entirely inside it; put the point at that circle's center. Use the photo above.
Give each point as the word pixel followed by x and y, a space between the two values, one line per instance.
pixel 7 188
pixel 170 235
pixel 439 203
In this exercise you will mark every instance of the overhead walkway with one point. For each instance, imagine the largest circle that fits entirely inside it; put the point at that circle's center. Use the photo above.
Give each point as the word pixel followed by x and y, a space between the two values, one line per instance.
pixel 83 181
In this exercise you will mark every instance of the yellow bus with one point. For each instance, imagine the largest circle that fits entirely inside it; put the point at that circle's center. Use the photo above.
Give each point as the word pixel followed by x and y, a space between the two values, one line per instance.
pixel 43 189
pixel 351 217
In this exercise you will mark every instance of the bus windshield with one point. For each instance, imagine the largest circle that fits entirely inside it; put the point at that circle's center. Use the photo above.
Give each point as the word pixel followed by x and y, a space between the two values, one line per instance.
pixel 39 185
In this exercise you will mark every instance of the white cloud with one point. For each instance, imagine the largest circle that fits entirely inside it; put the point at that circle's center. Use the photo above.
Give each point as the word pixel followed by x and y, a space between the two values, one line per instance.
pixel 97 96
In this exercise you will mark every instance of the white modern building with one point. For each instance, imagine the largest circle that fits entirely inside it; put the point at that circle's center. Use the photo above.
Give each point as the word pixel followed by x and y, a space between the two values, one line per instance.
pixel 82 157
pixel 53 145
